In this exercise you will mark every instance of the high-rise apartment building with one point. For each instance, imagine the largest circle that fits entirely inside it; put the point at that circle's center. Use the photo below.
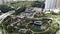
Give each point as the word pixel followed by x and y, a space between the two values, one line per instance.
pixel 50 4
pixel 4 1
pixel 58 4
pixel 9 0
pixel 1 1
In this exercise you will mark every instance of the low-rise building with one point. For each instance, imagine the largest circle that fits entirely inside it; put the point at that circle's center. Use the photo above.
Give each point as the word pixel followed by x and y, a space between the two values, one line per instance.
pixel 37 9
pixel 27 15
pixel 38 22
pixel 23 30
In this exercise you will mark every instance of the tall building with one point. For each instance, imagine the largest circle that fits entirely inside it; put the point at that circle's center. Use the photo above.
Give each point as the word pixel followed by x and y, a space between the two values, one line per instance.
pixel 58 4
pixel 4 1
pixel 50 4
pixel 1 1
pixel 10 0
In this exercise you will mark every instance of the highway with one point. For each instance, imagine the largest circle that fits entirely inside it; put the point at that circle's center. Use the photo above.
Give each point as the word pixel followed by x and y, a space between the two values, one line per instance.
pixel 3 16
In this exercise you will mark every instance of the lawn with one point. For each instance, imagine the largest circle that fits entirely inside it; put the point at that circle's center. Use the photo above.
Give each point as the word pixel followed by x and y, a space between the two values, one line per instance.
pixel 56 17
pixel 50 31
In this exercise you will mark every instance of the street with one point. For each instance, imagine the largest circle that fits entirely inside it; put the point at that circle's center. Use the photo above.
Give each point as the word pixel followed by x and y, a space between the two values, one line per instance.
pixel 3 16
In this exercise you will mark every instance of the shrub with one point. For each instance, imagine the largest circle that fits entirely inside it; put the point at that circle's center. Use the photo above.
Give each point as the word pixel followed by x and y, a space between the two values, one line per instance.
pixel 22 9
pixel 5 8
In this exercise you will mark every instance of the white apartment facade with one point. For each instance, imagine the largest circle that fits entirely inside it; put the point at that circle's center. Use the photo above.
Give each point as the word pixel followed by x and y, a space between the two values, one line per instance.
pixel 50 4
pixel 1 1
pixel 4 1
pixel 58 4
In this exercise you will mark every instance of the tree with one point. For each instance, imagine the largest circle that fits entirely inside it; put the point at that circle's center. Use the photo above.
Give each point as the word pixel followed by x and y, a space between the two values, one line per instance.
pixel 22 9
pixel 5 8
pixel 39 4
pixel 10 28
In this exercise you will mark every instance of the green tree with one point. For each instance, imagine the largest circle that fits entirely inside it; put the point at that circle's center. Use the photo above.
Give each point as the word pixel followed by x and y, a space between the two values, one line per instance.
pixel 39 4
pixel 10 28
pixel 18 11
pixel 5 8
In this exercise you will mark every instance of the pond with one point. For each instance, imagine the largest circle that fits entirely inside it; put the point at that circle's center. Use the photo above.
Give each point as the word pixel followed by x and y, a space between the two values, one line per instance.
pixel 59 27
pixel 37 28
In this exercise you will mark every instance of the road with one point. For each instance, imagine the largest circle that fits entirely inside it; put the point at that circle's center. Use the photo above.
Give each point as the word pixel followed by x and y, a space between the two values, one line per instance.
pixel 3 16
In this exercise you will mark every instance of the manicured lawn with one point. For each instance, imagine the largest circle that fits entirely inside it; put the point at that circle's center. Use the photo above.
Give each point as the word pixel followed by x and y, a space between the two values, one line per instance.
pixel 57 17
pixel 50 31
pixel 28 32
